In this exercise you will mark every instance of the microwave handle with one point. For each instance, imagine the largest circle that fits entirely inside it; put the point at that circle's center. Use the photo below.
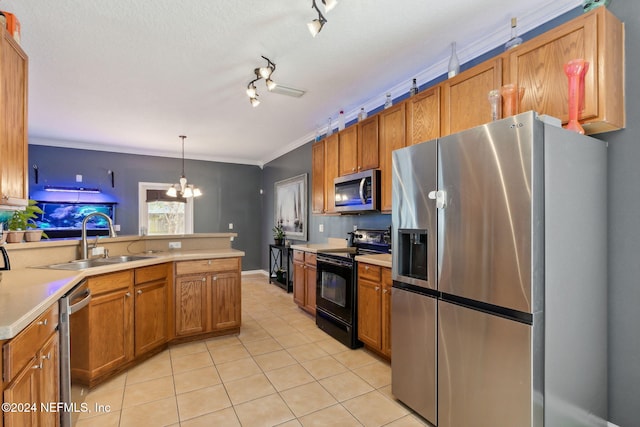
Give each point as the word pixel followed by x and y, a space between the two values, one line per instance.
pixel 362 198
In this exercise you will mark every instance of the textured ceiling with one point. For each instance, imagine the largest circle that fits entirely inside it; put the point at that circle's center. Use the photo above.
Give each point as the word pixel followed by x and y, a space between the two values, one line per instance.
pixel 130 76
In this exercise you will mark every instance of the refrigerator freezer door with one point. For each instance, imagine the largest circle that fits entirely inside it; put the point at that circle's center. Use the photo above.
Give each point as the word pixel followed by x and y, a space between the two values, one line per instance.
pixel 413 338
pixel 490 182
pixel 484 369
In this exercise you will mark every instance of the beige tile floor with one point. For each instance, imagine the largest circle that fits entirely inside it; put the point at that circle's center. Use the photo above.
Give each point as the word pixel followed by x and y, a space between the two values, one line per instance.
pixel 281 370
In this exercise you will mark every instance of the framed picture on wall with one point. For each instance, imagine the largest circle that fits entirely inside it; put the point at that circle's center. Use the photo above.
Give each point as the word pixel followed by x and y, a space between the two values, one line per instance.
pixel 291 206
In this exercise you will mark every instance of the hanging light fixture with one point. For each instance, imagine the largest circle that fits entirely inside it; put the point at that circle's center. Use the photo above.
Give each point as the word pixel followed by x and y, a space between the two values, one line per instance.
pixel 186 190
pixel 316 25
pixel 261 73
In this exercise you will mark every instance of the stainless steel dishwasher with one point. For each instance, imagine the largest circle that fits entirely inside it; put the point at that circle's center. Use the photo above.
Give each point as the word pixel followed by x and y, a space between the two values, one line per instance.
pixel 72 302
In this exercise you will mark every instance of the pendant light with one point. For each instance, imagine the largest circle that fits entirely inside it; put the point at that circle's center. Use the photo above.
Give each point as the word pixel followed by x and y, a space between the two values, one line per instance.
pixel 186 190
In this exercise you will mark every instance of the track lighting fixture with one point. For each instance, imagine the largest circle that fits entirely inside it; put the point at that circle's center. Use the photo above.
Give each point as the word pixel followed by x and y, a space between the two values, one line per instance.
pixel 186 190
pixel 261 73
pixel 316 25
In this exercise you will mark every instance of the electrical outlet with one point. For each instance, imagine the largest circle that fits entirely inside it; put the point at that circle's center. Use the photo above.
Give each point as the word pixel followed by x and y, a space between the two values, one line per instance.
pixel 175 245
pixel 116 227
pixel 230 226
pixel 98 250
pixel 231 238
pixel 355 228
pixel 321 228
pixel 78 178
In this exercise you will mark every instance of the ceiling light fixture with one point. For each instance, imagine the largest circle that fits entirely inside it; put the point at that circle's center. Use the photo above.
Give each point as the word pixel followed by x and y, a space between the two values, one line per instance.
pixel 261 73
pixel 316 25
pixel 186 190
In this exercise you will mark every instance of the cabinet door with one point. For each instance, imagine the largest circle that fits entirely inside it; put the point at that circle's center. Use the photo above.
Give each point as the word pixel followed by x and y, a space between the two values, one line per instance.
pixel 23 389
pixel 13 122
pixel 226 300
pixel 465 96
pixel 299 283
pixel 150 316
pixel 111 334
pixel 392 137
pixel 387 283
pixel 423 116
pixel 49 383
pixel 317 177
pixel 368 151
pixel 369 313
pixel 348 150
pixel 191 305
pixel 310 288
pixel 330 172
pixel 538 66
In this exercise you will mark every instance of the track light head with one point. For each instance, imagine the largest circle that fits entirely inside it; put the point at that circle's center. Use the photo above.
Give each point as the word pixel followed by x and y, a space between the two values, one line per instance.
pixel 261 73
pixel 329 4
pixel 254 102
pixel 316 25
pixel 271 84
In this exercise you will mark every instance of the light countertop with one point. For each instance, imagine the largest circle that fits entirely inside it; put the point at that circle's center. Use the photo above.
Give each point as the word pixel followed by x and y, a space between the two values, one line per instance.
pixel 27 292
pixel 332 244
pixel 383 260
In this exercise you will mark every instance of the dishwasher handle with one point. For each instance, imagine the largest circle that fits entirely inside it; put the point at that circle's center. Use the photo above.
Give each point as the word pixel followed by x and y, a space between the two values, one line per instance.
pixel 85 294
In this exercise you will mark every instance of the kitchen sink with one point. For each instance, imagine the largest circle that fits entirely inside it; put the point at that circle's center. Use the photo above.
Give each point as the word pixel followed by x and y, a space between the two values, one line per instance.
pixel 82 264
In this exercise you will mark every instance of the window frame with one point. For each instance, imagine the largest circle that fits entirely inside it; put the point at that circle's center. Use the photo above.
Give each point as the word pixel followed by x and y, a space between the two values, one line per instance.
pixel 143 212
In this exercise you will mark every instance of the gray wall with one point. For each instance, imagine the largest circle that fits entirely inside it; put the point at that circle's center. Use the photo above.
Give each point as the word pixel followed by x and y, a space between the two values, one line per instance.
pixel 231 191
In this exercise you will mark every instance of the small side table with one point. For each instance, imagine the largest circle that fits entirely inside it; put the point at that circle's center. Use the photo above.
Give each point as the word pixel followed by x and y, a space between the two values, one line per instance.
pixel 279 260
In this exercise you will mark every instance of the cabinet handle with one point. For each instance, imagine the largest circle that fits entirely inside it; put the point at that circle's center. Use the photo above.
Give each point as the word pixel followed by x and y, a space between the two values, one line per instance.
pixel 204 279
pixel 139 292
pixel 359 167
pixel 209 262
pixel 38 366
pixel 353 169
pixel 215 277
pixel 384 291
pixel 128 294
pixel 43 322
pixel 47 357
pixel 366 267
pixel 377 288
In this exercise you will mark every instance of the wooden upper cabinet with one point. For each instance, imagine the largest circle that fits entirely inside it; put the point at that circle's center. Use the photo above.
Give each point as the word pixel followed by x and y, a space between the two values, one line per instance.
pixel 423 116
pixel 392 137
pixel 13 122
pixel 348 150
pixel 331 154
pixel 538 66
pixel 317 177
pixel 465 96
pixel 368 151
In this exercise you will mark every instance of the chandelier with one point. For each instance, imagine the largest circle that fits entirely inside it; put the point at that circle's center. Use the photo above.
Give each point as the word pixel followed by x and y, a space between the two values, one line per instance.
pixel 186 190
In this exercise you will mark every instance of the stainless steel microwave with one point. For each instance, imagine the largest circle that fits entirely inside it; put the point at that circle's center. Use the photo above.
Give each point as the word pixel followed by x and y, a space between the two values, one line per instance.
pixel 358 192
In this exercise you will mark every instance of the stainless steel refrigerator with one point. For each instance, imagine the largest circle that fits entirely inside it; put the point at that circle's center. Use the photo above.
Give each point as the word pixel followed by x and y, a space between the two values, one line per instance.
pixel 500 274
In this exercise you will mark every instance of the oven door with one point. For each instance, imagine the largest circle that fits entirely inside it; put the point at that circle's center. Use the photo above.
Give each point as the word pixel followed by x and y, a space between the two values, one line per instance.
pixel 335 287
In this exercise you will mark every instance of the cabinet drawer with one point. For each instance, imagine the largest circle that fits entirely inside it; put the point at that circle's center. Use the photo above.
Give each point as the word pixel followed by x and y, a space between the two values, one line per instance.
pixel 369 272
pixel 21 349
pixel 298 256
pixel 151 273
pixel 207 265
pixel 310 258
pixel 110 282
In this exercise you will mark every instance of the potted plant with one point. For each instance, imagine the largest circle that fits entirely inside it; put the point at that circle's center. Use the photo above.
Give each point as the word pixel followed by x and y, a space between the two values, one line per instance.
pixel 278 235
pixel 21 224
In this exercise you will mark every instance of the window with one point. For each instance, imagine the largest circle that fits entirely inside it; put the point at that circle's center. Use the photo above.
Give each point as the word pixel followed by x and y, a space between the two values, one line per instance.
pixel 160 214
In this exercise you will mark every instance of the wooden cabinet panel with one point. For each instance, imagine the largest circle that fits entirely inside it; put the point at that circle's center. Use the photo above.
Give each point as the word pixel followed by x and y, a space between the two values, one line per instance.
pixel 299 283
pixel 465 96
pixel 13 122
pixel 207 265
pixel 110 334
pixel 387 283
pixel 110 282
pixel 392 137
pixel 304 280
pixel 317 177
pixel 368 147
pixel 330 172
pixel 538 66
pixel 23 389
pixel 191 305
pixel 423 116
pixel 310 293
pixel 150 315
pixel 226 300
pixel 49 381
pixel 348 151
pixel 369 313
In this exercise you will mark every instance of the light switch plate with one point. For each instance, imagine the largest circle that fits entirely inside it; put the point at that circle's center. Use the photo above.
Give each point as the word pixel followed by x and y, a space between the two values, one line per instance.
pixel 321 228
pixel 175 245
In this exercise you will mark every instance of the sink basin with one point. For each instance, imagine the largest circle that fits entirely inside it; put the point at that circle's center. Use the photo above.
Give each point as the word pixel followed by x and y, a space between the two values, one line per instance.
pixel 96 262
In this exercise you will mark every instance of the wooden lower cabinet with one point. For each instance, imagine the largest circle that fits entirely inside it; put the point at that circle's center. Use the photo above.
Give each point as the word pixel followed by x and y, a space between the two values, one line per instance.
pixel 207 297
pixel 151 308
pixel 304 280
pixel 374 304
pixel 31 372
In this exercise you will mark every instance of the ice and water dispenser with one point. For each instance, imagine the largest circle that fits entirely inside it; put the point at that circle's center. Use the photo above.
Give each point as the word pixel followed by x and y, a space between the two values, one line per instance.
pixel 412 253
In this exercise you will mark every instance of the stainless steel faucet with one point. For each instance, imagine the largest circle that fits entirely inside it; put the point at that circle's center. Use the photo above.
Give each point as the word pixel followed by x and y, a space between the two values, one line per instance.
pixel 112 232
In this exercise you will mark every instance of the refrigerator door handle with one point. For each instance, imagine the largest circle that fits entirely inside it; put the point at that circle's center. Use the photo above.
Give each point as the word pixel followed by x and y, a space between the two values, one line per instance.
pixel 440 196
